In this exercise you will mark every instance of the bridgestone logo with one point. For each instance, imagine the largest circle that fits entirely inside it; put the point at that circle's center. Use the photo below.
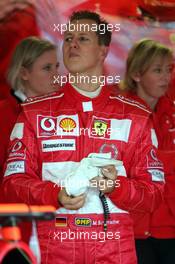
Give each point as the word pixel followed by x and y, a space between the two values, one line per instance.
pixel 58 144
pixel 45 146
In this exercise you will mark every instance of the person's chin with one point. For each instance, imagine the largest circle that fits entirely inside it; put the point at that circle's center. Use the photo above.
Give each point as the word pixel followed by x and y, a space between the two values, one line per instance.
pixel 73 69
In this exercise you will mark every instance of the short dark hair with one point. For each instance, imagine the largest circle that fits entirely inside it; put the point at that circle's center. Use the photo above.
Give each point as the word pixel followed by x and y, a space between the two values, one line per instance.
pixel 103 39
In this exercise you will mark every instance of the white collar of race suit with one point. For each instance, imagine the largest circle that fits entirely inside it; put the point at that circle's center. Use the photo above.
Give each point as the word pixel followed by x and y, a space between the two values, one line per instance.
pixel 88 94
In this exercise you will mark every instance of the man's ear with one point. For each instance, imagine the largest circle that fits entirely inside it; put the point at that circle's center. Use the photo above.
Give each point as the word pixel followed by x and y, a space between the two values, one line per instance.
pixel 24 73
pixel 136 77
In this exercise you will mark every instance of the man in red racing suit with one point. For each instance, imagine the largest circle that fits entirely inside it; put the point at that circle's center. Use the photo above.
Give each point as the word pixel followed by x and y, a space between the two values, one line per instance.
pixel 41 155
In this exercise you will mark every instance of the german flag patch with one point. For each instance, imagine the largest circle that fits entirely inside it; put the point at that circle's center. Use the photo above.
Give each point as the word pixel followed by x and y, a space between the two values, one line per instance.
pixel 61 221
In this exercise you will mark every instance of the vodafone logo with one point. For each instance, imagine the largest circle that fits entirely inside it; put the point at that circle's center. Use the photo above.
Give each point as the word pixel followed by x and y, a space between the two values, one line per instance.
pixel 152 161
pixel 48 124
pixel 17 146
pixel 17 151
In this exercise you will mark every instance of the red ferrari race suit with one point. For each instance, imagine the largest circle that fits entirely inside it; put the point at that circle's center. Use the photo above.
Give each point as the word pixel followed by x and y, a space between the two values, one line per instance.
pixel 51 137
pixel 164 123
pixel 162 220
pixel 10 110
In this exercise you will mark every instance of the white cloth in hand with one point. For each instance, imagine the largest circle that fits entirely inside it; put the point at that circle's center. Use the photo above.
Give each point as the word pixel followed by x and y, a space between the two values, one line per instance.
pixel 79 180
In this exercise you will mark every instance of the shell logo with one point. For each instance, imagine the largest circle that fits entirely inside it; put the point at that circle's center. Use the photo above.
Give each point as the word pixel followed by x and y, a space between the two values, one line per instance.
pixel 67 124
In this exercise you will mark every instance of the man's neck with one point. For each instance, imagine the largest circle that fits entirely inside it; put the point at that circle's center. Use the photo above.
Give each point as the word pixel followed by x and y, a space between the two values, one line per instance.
pixel 88 82
pixel 89 94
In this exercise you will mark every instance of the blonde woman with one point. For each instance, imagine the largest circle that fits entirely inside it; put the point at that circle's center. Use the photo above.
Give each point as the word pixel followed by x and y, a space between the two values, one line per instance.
pixel 147 78
pixel 33 65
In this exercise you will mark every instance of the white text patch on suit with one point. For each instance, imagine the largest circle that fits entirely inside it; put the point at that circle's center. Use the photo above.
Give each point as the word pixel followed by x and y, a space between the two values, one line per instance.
pixel 15 167
pixel 58 144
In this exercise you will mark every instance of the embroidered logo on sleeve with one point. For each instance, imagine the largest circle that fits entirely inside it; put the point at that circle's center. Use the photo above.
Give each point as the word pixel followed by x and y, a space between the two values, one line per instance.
pixel 157 175
pixel 15 167
pixel 153 161
pixel 17 151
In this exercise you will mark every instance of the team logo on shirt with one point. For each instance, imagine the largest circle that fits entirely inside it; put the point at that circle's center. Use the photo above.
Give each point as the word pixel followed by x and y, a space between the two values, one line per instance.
pixel 110 128
pixel 100 127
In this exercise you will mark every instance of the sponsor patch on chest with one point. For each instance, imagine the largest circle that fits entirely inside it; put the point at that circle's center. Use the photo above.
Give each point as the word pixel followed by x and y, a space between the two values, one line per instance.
pixel 58 144
pixel 63 125
pixel 112 129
